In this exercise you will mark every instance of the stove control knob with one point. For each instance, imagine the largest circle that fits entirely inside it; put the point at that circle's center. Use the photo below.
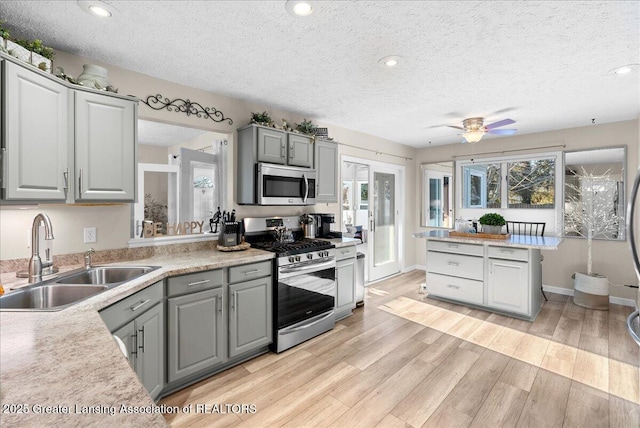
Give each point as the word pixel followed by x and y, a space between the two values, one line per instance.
pixel 291 259
pixel 297 258
pixel 309 256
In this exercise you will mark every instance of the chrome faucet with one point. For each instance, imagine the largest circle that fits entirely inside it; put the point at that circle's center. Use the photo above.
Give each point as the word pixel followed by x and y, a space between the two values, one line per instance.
pixel 87 258
pixel 35 263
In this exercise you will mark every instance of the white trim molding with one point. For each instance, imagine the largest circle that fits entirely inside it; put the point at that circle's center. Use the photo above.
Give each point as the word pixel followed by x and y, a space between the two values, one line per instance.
pixel 569 292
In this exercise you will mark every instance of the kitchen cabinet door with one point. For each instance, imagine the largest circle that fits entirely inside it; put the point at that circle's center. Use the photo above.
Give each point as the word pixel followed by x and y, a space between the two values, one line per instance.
pixel 272 146
pixel 508 286
pixel 36 136
pixel 150 349
pixel 126 333
pixel 250 315
pixel 300 151
pixel 105 147
pixel 195 332
pixel 345 283
pixel 326 161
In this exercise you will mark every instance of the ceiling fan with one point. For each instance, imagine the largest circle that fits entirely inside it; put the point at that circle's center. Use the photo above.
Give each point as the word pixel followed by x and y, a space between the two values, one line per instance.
pixel 474 128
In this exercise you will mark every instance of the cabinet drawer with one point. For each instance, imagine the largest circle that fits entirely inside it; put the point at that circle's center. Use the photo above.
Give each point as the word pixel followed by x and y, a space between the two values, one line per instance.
pixel 345 252
pixel 194 282
pixel 250 271
pixel 509 253
pixel 455 247
pixel 127 309
pixel 450 287
pixel 455 264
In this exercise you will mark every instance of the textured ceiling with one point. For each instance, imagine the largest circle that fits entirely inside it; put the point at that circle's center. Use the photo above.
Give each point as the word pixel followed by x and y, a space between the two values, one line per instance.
pixel 544 64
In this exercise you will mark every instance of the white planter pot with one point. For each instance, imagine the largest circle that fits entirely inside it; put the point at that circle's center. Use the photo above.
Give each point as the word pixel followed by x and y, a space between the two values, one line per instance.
pixel 591 291
pixel 494 230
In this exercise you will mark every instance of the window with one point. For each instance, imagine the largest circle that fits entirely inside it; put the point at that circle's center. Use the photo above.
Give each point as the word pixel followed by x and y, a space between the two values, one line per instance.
pixel 481 185
pixel 531 183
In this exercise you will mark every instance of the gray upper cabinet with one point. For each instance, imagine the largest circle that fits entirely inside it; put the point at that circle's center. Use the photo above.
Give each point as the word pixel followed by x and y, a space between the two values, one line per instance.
pixel 249 315
pixel 36 135
pixel 327 171
pixel 272 145
pixel 195 332
pixel 63 143
pixel 105 147
pixel 300 151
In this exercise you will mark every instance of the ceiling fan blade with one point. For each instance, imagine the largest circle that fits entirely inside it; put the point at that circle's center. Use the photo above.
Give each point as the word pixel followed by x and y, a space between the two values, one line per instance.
pixel 499 123
pixel 456 127
pixel 502 131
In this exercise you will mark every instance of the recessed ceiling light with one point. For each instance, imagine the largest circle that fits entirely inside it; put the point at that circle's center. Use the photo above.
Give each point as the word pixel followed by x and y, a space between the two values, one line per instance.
pixel 97 8
pixel 390 61
pixel 300 7
pixel 625 69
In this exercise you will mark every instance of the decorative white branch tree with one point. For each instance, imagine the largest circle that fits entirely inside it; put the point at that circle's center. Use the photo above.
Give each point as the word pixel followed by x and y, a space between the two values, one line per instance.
pixel 588 209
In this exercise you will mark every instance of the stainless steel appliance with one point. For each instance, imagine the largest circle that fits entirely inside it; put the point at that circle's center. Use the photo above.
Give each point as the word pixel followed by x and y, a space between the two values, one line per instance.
pixel 633 322
pixel 285 185
pixel 323 225
pixel 305 274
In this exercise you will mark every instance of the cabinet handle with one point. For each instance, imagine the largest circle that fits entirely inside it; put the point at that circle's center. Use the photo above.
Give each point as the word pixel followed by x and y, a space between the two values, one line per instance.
pixel 220 304
pixel 134 349
pixel 142 340
pixel 453 286
pixel 139 305
pixel 454 246
pixel 282 150
pixel 345 251
pixel 80 183
pixel 204 281
pixel 251 272
pixel 507 251
pixel 453 264
pixel 233 301
pixel 65 174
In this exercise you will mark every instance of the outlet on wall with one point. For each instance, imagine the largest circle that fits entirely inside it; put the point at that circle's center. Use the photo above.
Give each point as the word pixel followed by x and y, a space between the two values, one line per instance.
pixel 89 235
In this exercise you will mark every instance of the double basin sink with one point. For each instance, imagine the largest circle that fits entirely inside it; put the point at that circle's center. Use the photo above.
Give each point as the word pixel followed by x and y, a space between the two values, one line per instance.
pixel 63 291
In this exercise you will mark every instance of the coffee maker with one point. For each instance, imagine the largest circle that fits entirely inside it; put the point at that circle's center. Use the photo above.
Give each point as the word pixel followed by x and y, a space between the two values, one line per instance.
pixel 323 225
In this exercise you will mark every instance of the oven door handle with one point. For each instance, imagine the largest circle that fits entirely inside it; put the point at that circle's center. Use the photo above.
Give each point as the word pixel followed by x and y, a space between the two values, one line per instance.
pixel 315 266
pixel 302 327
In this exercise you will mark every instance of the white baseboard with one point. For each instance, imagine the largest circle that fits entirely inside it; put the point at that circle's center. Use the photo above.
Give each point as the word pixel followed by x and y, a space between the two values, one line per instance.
pixel 569 292
pixel 414 267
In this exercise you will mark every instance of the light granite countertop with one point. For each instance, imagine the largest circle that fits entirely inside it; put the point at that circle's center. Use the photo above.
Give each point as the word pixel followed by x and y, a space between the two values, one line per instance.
pixel 342 242
pixel 67 359
pixel 520 241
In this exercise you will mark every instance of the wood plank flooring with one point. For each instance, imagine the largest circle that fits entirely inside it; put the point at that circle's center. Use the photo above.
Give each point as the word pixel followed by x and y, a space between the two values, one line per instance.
pixel 406 360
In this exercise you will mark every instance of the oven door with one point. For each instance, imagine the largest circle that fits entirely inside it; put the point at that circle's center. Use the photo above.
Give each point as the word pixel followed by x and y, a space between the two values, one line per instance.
pixel 283 185
pixel 304 292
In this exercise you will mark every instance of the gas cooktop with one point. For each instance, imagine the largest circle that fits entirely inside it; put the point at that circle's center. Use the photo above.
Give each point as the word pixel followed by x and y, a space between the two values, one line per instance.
pixel 292 248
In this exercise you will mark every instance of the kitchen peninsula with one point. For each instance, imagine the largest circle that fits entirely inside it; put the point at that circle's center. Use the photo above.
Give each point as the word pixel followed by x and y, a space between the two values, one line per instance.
pixel 503 276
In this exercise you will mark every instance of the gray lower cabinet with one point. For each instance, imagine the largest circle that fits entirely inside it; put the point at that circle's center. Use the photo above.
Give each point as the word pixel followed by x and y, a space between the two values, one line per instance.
pixel 195 332
pixel 326 159
pixel 345 281
pixel 138 321
pixel 250 315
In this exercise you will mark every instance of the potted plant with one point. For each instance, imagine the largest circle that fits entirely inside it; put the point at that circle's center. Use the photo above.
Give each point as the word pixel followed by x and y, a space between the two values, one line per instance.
pixel 261 118
pixel 306 127
pixel 492 223
pixel 588 214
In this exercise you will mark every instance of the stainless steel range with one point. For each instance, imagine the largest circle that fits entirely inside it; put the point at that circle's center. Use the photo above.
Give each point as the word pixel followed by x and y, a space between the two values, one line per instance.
pixel 305 274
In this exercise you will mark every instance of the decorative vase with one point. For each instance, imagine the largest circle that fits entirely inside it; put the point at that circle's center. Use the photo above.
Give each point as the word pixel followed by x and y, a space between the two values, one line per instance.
pixel 93 76
pixel 494 230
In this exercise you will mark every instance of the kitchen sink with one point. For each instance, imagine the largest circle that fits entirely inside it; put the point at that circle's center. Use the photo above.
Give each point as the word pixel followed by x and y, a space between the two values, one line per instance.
pixel 105 275
pixel 49 296
pixel 58 293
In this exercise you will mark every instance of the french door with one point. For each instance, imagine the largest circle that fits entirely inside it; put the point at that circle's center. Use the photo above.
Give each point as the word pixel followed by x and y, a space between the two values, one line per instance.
pixel 384 222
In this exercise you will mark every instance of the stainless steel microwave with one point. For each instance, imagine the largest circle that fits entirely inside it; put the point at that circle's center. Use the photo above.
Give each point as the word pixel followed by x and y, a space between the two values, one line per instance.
pixel 285 185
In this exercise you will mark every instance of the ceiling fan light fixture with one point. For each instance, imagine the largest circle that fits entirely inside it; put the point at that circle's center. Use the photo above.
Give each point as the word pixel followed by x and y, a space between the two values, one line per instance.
pixel 300 8
pixel 97 8
pixel 473 137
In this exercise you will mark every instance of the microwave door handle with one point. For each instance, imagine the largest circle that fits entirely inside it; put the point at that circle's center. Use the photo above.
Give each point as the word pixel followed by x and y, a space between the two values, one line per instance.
pixel 306 188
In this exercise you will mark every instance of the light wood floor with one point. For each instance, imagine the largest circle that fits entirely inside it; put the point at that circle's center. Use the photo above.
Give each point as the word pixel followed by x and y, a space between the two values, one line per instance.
pixel 405 360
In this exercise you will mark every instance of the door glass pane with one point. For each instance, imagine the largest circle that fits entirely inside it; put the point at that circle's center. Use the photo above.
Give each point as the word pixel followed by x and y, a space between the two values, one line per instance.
pixel 481 186
pixel 435 202
pixel 385 234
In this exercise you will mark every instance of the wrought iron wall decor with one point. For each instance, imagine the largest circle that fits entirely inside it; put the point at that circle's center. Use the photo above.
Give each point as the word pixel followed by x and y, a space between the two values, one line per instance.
pixel 158 102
